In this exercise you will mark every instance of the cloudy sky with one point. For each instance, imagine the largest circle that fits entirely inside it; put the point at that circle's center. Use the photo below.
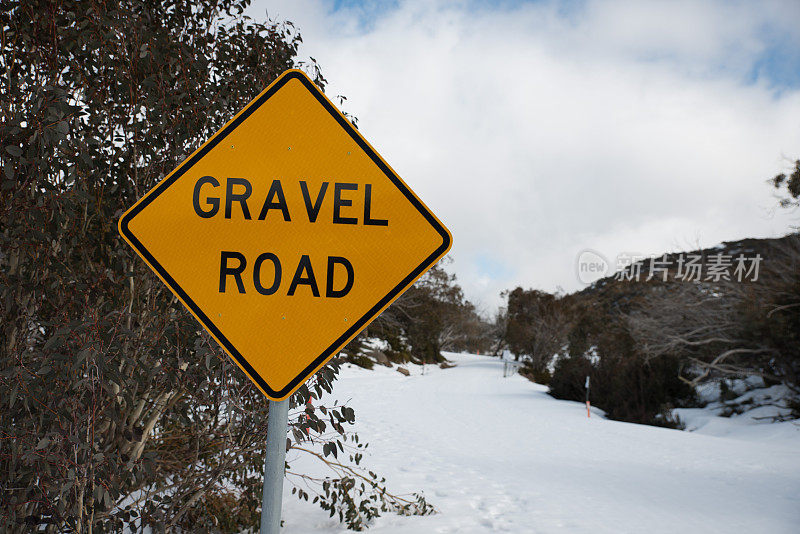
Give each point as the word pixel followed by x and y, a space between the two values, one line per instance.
pixel 536 130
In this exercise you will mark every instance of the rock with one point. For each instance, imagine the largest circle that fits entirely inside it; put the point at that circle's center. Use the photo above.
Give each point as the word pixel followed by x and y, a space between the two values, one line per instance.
pixel 446 365
pixel 380 357
pixel 403 370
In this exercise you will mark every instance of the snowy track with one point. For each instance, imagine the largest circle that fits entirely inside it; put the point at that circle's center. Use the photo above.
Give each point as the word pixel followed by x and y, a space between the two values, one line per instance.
pixel 498 454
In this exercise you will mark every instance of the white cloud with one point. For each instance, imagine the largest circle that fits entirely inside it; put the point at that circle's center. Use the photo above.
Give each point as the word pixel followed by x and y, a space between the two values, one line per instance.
pixel 536 131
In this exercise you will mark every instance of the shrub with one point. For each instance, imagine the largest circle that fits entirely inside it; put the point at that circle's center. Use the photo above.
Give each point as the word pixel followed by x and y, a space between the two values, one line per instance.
pixel 359 360
pixel 569 378
pixel 668 419
pixel 636 390
pixel 540 376
pixel 627 388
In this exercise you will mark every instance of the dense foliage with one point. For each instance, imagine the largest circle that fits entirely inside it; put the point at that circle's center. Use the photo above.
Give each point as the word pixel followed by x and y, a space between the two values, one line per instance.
pixel 431 317
pixel 647 344
pixel 535 326
pixel 116 409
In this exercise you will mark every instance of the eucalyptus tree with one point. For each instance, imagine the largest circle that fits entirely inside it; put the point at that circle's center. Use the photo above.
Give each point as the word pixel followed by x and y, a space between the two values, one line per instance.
pixel 116 410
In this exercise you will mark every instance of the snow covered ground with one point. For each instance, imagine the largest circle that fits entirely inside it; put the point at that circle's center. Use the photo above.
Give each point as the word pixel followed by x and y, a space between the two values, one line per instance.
pixel 498 454
pixel 762 405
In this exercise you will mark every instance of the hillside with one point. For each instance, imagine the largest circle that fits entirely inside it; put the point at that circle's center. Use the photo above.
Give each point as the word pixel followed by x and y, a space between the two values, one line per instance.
pixel 748 247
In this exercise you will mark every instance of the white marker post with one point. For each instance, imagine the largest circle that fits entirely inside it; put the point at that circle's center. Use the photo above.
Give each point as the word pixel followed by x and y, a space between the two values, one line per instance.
pixel 274 462
pixel 588 406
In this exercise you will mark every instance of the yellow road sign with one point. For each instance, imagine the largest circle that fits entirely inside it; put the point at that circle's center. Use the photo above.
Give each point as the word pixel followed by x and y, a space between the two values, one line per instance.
pixel 285 234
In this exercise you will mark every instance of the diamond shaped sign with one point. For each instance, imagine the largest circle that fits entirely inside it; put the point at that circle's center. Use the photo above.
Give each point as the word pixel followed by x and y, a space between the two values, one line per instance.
pixel 285 234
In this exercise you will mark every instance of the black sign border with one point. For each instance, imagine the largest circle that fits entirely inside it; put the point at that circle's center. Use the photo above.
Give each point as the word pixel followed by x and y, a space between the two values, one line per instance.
pixel 358 325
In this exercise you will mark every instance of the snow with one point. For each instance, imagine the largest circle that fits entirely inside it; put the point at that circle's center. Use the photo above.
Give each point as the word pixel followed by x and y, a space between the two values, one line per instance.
pixel 497 454
pixel 761 406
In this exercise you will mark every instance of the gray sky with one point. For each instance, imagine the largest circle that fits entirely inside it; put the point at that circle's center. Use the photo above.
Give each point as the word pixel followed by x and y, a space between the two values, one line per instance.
pixel 536 130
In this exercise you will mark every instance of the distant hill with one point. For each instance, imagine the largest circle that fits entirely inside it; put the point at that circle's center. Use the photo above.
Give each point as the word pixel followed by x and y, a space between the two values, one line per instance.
pixel 623 288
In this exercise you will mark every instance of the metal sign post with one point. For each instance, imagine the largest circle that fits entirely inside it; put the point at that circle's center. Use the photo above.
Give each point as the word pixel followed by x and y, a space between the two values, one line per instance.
pixel 274 462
